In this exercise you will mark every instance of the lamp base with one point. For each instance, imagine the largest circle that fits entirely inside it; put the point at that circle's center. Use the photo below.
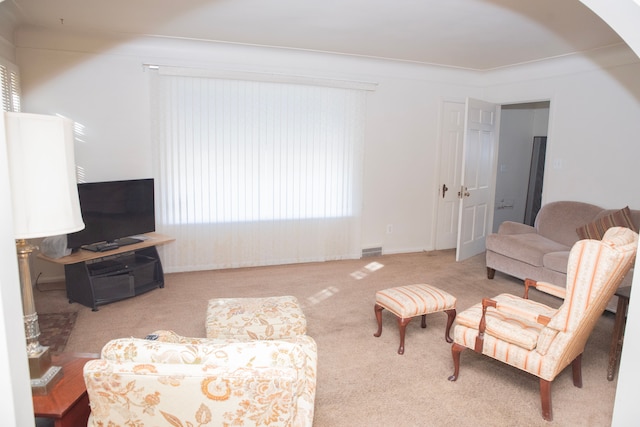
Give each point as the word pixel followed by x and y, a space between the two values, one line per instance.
pixel 44 376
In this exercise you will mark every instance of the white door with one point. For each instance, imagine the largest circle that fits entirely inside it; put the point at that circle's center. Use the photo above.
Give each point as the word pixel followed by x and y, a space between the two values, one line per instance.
pixel 450 178
pixel 478 176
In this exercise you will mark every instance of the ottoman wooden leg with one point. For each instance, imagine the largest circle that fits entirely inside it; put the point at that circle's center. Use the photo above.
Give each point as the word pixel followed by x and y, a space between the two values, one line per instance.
pixel 451 316
pixel 378 310
pixel 407 302
pixel 402 325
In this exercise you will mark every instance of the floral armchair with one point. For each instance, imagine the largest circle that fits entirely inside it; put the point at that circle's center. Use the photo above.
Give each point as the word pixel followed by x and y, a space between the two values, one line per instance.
pixel 179 381
pixel 542 340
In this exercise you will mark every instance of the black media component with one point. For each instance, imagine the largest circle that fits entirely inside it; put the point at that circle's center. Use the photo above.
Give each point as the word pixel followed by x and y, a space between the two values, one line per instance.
pixel 112 212
pixel 114 278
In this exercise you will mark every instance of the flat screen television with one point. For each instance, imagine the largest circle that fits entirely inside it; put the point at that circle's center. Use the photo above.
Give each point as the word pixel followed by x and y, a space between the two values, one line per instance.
pixel 113 211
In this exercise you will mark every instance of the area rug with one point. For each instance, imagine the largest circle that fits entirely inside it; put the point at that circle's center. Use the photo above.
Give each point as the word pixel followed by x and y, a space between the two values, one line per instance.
pixel 55 329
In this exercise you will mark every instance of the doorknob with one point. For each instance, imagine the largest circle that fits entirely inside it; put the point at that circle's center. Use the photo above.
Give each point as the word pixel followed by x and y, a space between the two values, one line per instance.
pixel 463 192
pixel 444 189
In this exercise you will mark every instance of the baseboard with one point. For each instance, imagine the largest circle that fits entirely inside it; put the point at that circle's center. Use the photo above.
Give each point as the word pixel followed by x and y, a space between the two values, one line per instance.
pixel 50 279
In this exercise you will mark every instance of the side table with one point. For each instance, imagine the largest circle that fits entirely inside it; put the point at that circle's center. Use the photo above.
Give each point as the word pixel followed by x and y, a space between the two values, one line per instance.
pixel 67 403
pixel 618 329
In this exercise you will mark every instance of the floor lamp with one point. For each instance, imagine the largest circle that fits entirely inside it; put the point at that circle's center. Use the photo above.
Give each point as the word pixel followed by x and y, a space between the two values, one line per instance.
pixel 44 199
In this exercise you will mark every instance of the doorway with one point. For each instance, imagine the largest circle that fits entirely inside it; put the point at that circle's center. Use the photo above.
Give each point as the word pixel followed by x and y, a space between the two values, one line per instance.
pixel 519 124
pixel 520 167
pixel 468 146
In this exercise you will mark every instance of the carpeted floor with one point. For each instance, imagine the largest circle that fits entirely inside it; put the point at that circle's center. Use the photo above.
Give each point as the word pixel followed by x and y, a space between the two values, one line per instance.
pixel 362 381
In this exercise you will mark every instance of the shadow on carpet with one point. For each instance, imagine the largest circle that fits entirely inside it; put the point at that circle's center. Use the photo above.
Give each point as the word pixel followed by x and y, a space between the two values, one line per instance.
pixel 55 329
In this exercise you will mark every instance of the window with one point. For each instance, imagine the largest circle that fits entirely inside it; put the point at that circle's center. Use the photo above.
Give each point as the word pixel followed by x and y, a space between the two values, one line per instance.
pixel 256 172
pixel 10 82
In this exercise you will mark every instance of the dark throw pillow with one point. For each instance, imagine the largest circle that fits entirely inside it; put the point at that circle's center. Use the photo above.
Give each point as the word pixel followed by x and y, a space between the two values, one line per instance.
pixel 596 229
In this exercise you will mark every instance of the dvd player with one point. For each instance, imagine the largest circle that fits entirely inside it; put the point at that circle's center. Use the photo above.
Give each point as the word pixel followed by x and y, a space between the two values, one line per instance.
pixel 102 247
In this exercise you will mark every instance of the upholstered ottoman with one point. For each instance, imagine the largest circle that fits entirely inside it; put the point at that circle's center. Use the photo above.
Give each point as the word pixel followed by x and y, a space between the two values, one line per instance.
pixel 407 302
pixel 269 318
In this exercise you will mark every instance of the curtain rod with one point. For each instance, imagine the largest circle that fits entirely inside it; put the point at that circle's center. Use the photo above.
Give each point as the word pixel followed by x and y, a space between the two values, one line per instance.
pixel 261 77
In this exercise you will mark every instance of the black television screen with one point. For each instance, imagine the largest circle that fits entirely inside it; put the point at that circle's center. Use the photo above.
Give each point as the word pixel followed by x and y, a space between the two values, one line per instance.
pixel 114 210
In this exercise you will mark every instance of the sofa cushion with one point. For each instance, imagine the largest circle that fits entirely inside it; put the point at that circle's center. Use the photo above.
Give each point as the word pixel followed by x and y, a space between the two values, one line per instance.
pixel 556 261
pixel 263 318
pixel 529 248
pixel 558 220
pixel 596 229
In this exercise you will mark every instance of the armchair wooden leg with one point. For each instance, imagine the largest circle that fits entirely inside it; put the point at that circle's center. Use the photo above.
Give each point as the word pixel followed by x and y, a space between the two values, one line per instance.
pixel 424 321
pixel 451 316
pixel 545 387
pixel 576 368
pixel 456 349
pixel 491 273
pixel 378 310
pixel 545 397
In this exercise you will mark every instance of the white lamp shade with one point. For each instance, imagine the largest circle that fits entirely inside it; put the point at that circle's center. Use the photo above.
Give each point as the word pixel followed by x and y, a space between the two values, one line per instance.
pixel 42 175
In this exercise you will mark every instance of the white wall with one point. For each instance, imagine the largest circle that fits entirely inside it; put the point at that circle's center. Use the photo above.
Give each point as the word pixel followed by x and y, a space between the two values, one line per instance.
pixel 6 36
pixel 592 122
pixel 623 16
pixel 100 83
pixel 103 87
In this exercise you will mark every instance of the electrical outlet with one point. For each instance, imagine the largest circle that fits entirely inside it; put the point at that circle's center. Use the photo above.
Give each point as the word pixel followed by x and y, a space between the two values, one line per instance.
pixel 389 228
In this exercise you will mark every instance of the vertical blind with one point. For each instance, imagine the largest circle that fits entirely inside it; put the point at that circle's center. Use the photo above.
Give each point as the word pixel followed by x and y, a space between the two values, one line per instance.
pixel 10 85
pixel 254 172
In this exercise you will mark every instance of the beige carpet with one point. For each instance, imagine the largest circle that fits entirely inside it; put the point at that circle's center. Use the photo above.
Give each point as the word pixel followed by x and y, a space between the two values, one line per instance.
pixel 362 381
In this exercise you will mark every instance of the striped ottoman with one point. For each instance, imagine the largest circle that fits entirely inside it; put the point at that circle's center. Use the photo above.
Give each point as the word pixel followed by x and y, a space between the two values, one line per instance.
pixel 247 319
pixel 410 301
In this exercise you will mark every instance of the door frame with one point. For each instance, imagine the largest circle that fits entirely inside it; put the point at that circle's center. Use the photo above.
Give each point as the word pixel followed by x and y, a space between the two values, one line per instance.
pixel 436 223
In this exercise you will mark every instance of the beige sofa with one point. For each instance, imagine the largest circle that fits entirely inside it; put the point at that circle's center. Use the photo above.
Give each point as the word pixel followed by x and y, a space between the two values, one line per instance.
pixel 541 252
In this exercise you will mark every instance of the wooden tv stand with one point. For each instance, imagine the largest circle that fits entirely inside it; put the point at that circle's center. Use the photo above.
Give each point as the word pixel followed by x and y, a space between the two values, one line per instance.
pixel 98 278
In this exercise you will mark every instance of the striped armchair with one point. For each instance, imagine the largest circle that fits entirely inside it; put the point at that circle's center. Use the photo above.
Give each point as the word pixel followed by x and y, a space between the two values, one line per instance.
pixel 179 381
pixel 542 340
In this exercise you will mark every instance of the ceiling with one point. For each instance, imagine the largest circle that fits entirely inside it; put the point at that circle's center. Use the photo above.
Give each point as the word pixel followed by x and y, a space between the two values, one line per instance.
pixel 470 34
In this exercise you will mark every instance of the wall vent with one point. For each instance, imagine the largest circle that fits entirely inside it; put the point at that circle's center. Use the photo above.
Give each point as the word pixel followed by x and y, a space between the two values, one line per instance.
pixel 372 252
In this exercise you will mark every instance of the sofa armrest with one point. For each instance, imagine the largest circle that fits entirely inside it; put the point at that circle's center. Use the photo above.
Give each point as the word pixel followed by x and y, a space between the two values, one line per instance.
pixel 211 351
pixel 510 227
pixel 214 383
pixel 163 335
pixel 128 393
